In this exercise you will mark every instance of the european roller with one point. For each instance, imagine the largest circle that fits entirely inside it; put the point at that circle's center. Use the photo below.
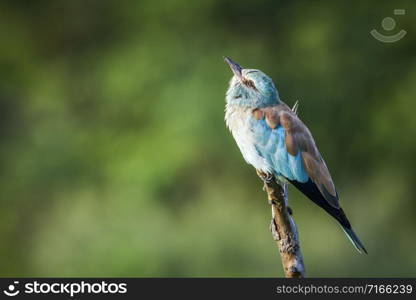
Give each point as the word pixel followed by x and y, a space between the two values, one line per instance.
pixel 273 139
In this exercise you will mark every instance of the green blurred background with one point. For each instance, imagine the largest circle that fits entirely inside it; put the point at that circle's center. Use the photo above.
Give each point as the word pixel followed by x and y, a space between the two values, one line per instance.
pixel 115 159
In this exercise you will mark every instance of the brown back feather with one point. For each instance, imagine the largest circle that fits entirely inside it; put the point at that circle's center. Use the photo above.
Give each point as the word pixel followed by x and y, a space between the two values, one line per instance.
pixel 299 138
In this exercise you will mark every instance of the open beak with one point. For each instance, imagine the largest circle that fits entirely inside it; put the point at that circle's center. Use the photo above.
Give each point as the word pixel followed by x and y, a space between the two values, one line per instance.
pixel 235 67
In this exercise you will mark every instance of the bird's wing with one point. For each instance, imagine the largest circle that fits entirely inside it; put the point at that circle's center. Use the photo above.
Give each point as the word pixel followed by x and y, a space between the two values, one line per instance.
pixel 283 139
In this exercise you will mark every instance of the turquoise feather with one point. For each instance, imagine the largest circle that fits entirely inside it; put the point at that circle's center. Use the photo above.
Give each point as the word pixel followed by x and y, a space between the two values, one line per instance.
pixel 270 144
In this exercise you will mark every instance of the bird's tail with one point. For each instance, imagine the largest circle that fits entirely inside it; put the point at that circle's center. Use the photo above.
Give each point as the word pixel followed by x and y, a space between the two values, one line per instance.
pixel 354 239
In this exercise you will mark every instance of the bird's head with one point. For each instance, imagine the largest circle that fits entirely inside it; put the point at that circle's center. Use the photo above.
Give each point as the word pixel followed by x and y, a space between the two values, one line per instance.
pixel 250 87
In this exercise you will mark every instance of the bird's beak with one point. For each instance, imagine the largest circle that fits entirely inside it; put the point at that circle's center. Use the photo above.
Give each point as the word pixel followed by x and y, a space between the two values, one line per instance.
pixel 235 67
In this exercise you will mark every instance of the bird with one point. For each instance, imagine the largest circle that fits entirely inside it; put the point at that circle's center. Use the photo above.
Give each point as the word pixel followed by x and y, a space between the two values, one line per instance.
pixel 273 139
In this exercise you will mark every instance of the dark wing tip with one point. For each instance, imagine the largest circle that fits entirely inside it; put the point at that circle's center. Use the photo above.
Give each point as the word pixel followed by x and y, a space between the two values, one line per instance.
pixel 331 199
pixel 355 240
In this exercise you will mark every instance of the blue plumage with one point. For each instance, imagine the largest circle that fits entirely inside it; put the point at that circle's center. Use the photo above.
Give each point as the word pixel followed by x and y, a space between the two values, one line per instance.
pixel 274 140
pixel 270 144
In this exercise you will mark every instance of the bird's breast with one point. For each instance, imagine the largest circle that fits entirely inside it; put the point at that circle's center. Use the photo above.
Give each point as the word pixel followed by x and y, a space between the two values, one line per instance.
pixel 240 122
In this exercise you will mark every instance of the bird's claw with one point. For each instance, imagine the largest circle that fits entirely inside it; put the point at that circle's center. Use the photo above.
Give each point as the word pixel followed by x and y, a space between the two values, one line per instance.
pixel 266 177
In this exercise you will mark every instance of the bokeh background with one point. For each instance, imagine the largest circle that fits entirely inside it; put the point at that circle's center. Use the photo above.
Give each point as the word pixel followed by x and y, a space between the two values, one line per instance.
pixel 115 160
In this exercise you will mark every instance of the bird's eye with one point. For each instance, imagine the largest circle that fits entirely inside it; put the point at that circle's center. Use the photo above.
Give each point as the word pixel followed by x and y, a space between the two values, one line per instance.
pixel 249 83
pixel 238 96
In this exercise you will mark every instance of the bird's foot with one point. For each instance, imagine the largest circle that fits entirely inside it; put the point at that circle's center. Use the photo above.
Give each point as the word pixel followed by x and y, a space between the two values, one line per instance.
pixel 266 177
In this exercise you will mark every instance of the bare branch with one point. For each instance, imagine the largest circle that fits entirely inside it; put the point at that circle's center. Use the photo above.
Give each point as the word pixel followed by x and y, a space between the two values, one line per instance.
pixel 283 227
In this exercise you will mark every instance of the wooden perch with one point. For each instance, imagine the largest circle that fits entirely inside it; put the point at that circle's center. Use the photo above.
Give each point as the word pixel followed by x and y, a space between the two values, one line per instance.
pixel 283 227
